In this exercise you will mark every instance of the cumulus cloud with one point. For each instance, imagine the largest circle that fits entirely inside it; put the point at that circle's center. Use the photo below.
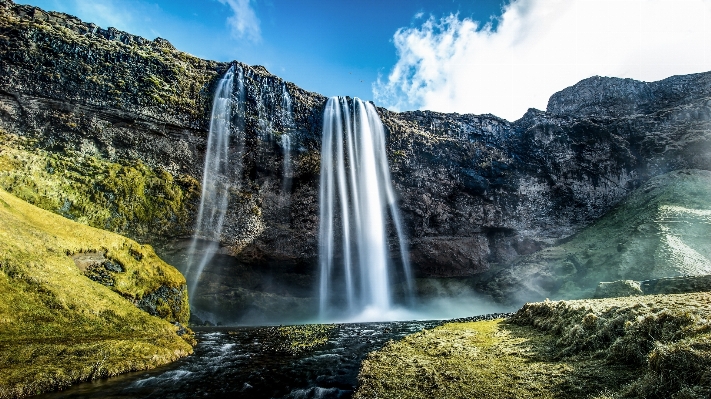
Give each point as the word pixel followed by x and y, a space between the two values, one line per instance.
pixel 244 22
pixel 538 47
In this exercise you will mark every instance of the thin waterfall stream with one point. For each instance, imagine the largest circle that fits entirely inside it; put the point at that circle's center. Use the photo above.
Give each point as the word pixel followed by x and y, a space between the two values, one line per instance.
pixel 219 175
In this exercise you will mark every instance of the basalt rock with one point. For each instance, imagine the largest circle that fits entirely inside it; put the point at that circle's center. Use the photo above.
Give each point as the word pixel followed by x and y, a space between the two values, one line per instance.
pixel 659 231
pixel 477 192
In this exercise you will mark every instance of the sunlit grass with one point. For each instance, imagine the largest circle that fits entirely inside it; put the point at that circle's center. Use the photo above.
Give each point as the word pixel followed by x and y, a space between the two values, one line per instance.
pixel 641 347
pixel 58 326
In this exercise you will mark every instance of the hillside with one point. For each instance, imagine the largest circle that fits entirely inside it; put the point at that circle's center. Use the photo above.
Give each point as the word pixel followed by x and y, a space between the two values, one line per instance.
pixel 637 347
pixel 69 303
pixel 661 230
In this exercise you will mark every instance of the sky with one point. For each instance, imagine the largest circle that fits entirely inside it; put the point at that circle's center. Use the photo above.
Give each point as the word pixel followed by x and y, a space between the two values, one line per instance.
pixel 468 56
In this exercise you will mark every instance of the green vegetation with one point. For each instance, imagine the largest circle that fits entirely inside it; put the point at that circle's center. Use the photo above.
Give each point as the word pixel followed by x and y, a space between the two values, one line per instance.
pixel 639 347
pixel 127 198
pixel 57 326
pixel 295 340
pixel 661 230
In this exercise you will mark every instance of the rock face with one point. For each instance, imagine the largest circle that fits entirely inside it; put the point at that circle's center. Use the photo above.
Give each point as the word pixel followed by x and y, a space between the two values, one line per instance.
pixel 660 230
pixel 476 191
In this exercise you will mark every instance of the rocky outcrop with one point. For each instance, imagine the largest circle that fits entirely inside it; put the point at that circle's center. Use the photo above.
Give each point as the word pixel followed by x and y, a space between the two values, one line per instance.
pixel 660 286
pixel 618 98
pixel 477 192
pixel 616 289
pixel 661 230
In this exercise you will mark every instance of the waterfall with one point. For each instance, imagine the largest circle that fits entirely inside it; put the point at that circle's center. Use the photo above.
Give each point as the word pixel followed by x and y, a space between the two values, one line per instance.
pixel 218 176
pixel 287 171
pixel 288 125
pixel 356 189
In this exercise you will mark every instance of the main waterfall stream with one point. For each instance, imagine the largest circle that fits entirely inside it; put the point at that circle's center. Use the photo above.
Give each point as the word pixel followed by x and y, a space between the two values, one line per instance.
pixel 356 189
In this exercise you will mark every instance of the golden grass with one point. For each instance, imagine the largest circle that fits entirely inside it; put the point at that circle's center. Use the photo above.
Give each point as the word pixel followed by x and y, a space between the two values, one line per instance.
pixel 640 347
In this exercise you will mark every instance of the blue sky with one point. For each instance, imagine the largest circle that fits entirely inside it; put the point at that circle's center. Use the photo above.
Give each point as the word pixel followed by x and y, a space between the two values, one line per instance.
pixel 333 47
pixel 475 56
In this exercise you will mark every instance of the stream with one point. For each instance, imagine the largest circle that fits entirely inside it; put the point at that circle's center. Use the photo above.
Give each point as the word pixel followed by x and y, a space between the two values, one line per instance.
pixel 233 362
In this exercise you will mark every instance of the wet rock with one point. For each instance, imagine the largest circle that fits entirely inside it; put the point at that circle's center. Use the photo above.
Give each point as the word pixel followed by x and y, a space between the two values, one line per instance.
pixel 165 302
pixel 616 289
pixel 97 267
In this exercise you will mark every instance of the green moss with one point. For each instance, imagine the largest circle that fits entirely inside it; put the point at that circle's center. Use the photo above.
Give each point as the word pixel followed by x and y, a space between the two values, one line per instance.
pixel 308 163
pixel 58 326
pixel 128 198
pixel 153 81
pixel 295 340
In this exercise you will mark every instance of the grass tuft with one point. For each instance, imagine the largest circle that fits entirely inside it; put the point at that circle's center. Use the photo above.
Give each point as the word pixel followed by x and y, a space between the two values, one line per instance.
pixel 635 347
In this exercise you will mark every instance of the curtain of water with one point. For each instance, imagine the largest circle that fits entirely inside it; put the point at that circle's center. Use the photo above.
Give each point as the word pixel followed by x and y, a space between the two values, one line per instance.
pixel 356 190
pixel 217 179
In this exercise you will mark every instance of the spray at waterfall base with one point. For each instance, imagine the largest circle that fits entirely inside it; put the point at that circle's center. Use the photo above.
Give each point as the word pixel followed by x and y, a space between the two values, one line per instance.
pixel 363 274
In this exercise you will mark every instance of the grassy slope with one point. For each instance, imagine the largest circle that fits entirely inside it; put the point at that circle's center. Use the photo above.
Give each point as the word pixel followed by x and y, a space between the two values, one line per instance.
pixel 130 198
pixel 645 347
pixel 660 230
pixel 56 325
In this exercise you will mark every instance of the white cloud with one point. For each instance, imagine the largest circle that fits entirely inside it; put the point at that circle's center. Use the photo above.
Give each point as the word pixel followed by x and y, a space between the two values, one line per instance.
pixel 540 47
pixel 244 23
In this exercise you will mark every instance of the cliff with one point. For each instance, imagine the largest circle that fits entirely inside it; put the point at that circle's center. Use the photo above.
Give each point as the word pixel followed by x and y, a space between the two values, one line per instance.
pixel 660 230
pixel 110 129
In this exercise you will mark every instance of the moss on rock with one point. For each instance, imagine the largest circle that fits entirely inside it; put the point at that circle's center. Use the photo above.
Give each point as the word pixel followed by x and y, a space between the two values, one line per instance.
pixel 128 198
pixel 57 326
pixel 295 340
